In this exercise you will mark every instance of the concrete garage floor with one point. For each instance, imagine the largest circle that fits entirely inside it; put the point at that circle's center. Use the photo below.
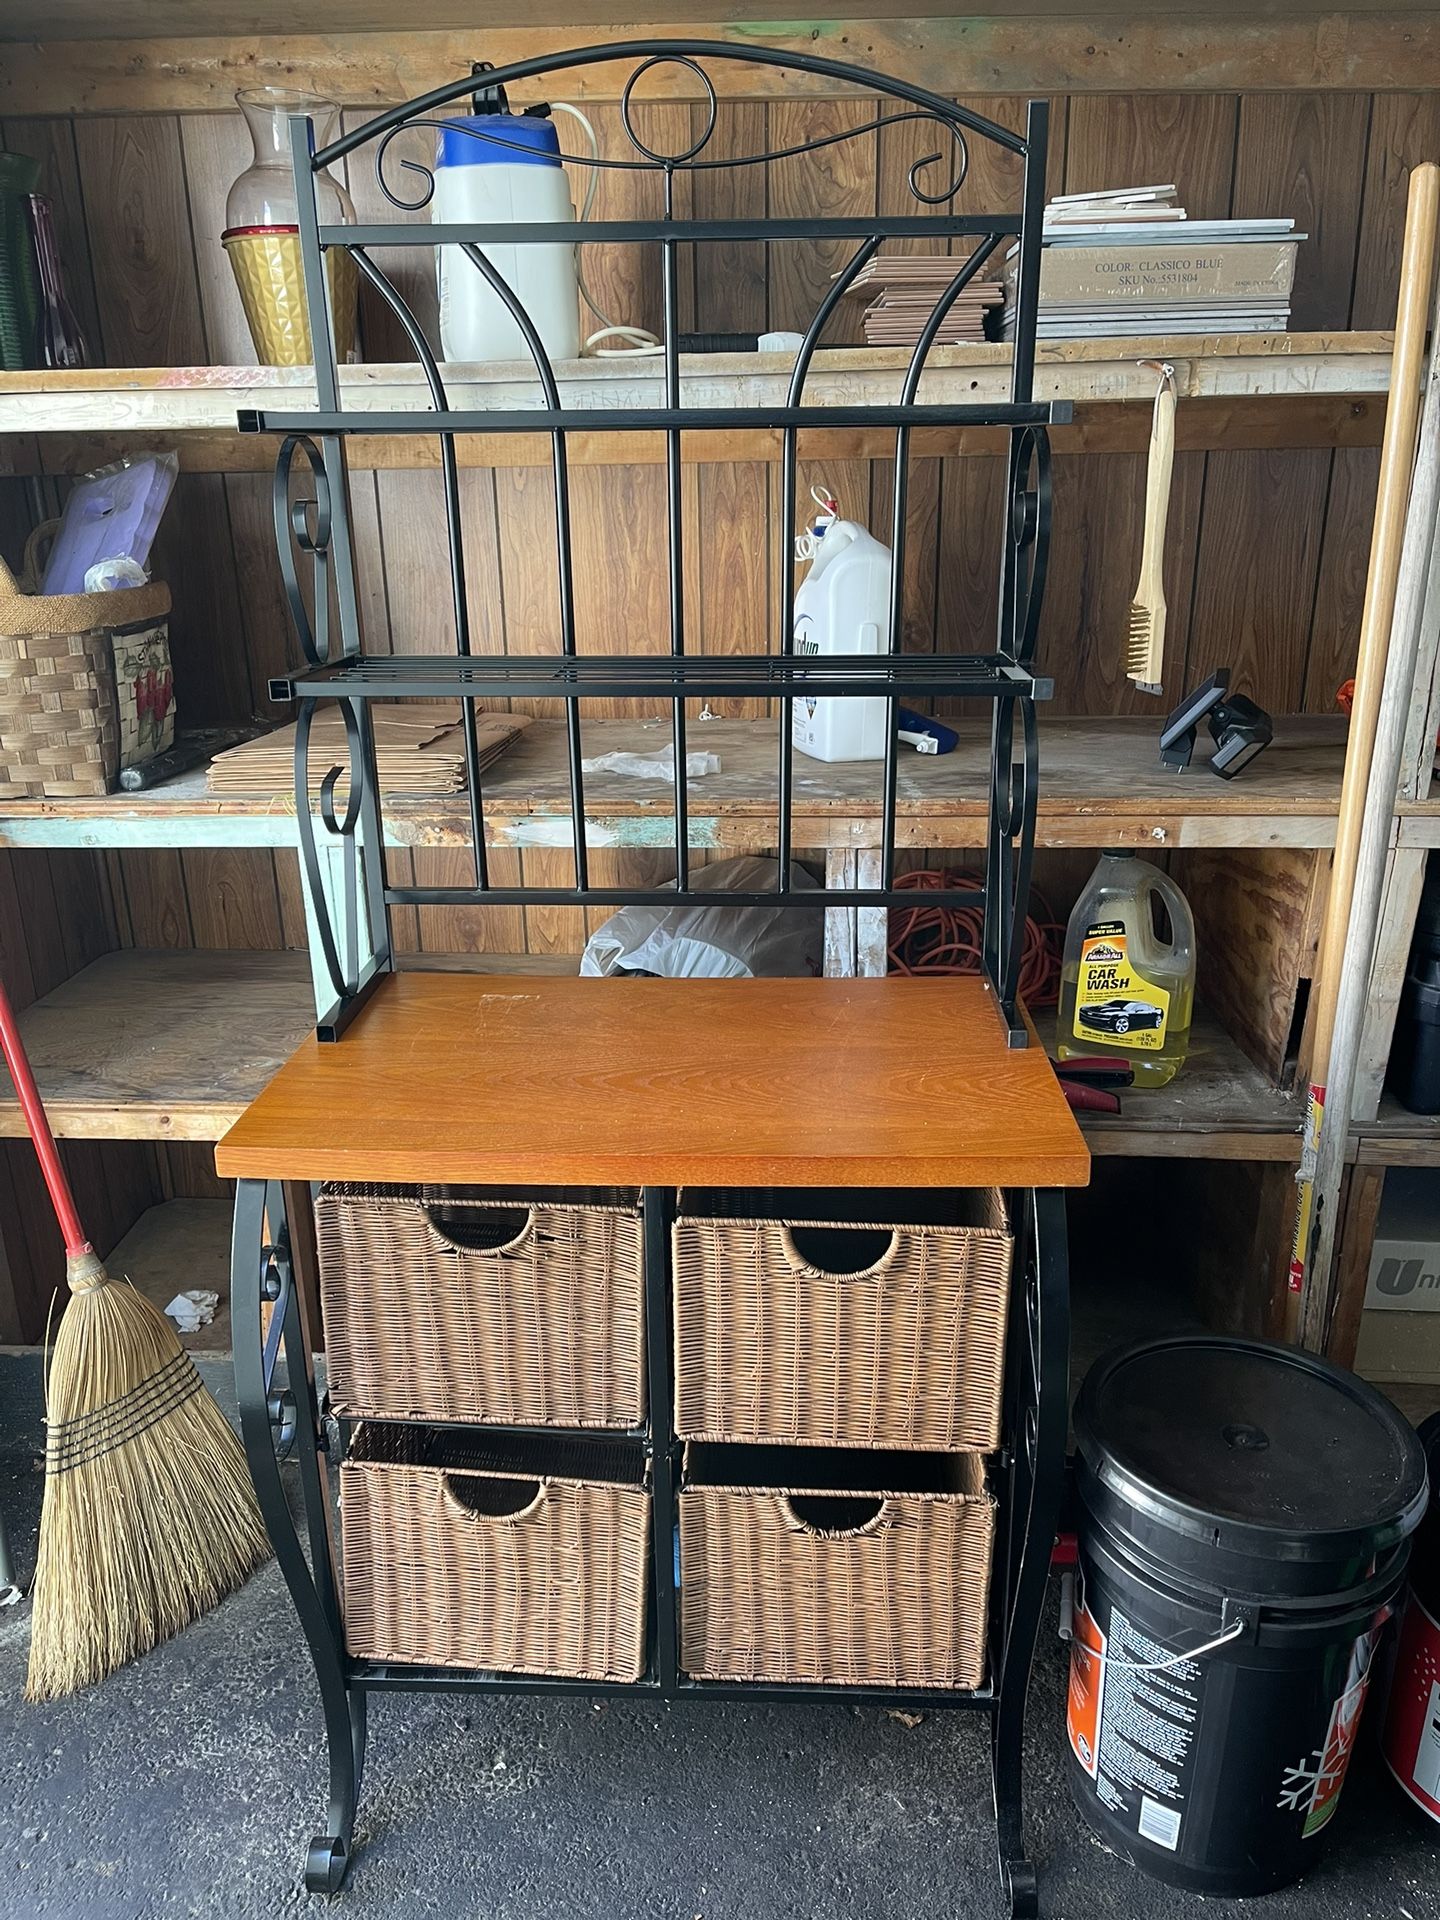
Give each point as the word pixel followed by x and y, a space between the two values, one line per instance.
pixel 189 1784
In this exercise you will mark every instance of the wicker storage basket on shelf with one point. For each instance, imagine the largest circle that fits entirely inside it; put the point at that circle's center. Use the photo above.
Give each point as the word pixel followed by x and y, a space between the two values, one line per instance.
pixel 785 1575
pixel 792 1330
pixel 448 1304
pixel 518 1555
pixel 85 687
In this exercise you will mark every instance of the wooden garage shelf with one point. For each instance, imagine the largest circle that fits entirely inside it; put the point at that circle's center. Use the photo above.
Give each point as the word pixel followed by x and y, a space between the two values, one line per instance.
pixel 1101 784
pixel 174 1044
pixel 1237 390
pixel 166 1045
pixel 1220 1106
pixel 1399 1138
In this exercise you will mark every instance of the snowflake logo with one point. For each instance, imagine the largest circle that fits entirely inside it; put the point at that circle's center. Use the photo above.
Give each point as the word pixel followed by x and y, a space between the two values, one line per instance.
pixel 1313 1779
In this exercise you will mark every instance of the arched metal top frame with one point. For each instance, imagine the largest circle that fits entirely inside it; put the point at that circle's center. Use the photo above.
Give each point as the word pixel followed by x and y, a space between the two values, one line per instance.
pixel 316 535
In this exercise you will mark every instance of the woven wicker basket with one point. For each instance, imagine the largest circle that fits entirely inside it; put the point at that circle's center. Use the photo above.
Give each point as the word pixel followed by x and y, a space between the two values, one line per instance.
pixel 798 1332
pixel 448 1304
pixel 85 687
pixel 519 1555
pixel 786 1575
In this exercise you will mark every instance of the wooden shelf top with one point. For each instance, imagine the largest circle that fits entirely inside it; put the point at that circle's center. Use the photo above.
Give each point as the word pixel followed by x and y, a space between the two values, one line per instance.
pixel 1299 366
pixel 161 1045
pixel 1101 784
pixel 450 1077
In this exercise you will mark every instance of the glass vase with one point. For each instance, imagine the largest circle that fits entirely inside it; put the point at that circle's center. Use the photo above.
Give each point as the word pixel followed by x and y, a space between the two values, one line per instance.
pixel 262 236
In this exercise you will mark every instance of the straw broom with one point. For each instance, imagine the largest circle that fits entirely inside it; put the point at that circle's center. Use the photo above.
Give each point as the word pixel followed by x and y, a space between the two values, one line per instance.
pixel 149 1516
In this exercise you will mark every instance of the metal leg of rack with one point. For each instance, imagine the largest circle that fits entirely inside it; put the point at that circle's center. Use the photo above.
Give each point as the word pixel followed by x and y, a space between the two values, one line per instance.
pixel 1037 1377
pixel 279 1410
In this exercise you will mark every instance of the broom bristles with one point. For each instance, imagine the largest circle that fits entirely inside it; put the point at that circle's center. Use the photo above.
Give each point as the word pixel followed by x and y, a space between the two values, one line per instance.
pixel 149 1517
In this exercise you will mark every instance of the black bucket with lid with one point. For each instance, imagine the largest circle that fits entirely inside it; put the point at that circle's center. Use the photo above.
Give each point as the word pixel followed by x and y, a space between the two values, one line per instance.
pixel 1245 1512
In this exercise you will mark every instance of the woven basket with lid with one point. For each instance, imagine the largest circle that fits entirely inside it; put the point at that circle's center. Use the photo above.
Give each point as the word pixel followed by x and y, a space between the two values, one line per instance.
pixel 68 721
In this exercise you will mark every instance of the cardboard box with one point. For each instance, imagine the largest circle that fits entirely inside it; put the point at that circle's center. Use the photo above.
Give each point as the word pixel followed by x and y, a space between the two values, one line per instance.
pixel 1400 1327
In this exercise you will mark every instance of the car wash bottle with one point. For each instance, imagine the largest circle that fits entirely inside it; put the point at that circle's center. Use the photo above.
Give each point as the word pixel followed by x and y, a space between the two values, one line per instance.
pixel 1127 983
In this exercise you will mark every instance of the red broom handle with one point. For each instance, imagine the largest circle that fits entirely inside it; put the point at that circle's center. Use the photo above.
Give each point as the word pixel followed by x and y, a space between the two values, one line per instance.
pixel 61 1197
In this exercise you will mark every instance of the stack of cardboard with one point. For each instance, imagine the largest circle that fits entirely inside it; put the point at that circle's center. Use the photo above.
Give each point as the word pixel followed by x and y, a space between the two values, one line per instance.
pixel 1129 263
pixel 908 286
pixel 419 748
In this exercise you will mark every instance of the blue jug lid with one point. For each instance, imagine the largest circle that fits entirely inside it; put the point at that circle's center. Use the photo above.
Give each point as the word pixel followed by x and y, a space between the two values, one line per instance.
pixel 490 139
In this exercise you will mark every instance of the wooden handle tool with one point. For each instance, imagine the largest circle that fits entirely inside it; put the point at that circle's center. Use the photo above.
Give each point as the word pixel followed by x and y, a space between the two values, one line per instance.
pixel 1146 652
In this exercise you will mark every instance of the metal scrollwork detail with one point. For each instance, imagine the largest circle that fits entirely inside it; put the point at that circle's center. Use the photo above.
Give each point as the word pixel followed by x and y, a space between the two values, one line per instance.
pixel 302 526
pixel 1029 538
pixel 627 106
pixel 343 970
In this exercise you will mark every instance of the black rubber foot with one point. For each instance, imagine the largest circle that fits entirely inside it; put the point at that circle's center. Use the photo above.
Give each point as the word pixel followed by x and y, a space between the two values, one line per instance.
pixel 1023 1889
pixel 326 1864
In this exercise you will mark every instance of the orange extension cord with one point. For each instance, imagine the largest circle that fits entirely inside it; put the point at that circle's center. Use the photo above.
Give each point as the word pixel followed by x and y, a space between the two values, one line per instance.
pixel 947 940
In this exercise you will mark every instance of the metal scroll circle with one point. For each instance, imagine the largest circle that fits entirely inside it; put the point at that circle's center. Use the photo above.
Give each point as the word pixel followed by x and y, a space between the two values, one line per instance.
pixel 707 84
pixel 958 173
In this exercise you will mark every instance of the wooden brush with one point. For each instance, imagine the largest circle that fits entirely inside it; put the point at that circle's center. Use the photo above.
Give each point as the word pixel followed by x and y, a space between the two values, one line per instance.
pixel 1146 652
pixel 149 1517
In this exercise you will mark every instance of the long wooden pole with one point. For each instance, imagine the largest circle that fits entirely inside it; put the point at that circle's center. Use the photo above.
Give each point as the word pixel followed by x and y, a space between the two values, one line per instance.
pixel 1397 458
pixel 1417 607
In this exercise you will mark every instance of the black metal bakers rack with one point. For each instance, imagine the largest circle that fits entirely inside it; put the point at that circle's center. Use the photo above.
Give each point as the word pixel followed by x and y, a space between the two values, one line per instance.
pixel 279 1402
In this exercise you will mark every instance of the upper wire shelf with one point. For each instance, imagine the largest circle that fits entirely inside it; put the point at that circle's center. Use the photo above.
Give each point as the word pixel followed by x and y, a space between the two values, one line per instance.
pixel 316 541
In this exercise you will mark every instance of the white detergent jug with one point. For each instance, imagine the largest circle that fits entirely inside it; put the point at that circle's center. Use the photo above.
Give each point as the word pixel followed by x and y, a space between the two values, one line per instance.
pixel 843 606
pixel 504 168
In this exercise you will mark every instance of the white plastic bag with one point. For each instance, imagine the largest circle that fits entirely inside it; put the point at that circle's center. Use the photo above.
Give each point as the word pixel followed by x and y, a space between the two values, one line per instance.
pixel 652 766
pixel 689 942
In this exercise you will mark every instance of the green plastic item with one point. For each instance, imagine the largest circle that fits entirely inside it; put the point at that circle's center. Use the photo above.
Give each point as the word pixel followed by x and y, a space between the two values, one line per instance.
pixel 19 275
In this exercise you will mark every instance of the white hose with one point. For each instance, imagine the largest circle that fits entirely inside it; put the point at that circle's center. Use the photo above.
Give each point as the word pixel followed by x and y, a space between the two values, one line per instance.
pixel 643 342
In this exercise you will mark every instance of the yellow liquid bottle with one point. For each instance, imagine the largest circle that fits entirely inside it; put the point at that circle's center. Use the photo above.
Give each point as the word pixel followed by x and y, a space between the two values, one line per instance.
pixel 1127 983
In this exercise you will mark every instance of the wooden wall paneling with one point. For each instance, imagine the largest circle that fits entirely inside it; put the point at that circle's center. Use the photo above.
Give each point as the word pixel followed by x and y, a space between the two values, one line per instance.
pixel 1034 49
pixel 734 539
pixel 133 180
pixel 411 270
pixel 195 554
pixel 39 919
pixel 186 1170
pixel 233 898
pixel 411 512
pixel 468 929
pixel 730 523
pixel 1404 129
pixel 1257 569
pixel 834 182
pixel 1302 156
pixel 1099 500
pixel 290 897
pixel 215 148
pixel 15 969
pixel 144 250
pixel 85 911
pixel 1098 520
pixel 52 143
pixel 730 281
pixel 1122 139
pixel 1255 916
pixel 625 281
pixel 156 904
pixel 551 929
pixel 1340 589
pixel 404 921
pixel 621 561
pixel 525 538
pixel 1359 1201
